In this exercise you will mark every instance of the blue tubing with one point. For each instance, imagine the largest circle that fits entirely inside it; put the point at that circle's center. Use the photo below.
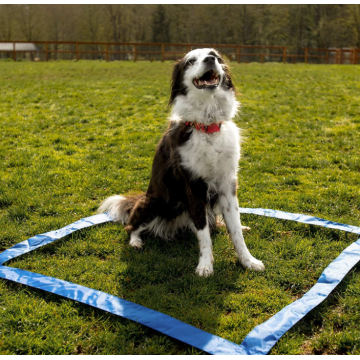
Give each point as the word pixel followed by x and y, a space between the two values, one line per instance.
pixel 258 342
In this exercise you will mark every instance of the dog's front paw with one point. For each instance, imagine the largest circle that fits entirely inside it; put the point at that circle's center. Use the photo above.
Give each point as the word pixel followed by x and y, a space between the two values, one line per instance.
pixel 204 270
pixel 245 228
pixel 252 263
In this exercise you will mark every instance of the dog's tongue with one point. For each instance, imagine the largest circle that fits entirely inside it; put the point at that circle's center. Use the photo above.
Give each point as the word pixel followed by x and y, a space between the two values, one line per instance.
pixel 208 82
pixel 212 81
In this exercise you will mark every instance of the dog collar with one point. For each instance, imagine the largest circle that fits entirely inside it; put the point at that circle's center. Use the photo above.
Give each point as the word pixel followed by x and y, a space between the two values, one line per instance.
pixel 208 129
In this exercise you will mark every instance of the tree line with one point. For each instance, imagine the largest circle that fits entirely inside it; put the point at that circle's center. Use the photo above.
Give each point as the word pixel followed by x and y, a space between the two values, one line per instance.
pixel 296 26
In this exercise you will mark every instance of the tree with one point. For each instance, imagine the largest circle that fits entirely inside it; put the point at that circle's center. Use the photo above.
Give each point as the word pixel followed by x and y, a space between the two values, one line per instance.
pixel 114 16
pixel 6 22
pixel 356 15
pixel 27 21
pixel 296 26
pixel 160 25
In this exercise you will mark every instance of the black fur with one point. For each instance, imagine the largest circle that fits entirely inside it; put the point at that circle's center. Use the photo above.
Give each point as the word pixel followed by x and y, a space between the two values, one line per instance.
pixel 172 189
pixel 177 86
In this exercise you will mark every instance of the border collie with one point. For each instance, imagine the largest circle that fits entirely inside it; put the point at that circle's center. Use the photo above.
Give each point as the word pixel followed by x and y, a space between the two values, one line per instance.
pixel 194 172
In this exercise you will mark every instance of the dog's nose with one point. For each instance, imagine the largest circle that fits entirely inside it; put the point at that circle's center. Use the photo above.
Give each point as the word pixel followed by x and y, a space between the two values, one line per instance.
pixel 210 59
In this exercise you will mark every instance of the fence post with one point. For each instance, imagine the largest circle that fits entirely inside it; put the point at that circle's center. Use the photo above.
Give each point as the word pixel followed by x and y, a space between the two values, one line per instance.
pixel 77 52
pixel 353 56
pixel 135 53
pixel 14 52
pixel 327 56
pixel 284 54
pixel 46 52
pixel 162 52
pixel 107 51
pixel 238 54
pixel 306 55
pixel 262 58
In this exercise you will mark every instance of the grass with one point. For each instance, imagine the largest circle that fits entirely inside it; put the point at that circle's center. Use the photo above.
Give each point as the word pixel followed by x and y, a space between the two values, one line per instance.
pixel 74 133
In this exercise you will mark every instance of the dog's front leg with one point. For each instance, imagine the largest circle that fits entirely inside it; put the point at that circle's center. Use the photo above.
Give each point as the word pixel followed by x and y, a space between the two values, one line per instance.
pixel 230 210
pixel 205 267
pixel 196 194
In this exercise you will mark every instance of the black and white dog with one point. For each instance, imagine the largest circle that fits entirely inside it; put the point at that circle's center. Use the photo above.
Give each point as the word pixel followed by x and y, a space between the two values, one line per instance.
pixel 194 172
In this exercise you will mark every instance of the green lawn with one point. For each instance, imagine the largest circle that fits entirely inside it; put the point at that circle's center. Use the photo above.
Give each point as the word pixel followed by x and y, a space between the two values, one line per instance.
pixel 75 133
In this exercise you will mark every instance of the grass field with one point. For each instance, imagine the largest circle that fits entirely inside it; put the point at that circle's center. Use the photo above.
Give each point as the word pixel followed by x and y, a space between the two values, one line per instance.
pixel 74 133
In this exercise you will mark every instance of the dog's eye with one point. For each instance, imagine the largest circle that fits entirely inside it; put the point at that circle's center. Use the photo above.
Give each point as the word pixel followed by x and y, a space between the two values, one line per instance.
pixel 191 61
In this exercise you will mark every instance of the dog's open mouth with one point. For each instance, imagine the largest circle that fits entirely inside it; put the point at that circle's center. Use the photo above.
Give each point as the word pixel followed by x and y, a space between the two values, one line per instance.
pixel 210 80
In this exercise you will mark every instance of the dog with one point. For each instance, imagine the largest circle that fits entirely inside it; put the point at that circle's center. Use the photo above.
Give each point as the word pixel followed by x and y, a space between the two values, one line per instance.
pixel 194 171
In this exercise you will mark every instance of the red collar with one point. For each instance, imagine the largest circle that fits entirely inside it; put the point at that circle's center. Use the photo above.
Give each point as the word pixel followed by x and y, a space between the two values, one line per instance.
pixel 208 129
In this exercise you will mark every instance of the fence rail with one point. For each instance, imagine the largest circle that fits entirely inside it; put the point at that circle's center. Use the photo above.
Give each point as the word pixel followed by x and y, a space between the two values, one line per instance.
pixel 76 50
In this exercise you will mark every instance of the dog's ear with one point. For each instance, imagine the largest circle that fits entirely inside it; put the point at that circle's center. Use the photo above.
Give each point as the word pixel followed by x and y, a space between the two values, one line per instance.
pixel 228 76
pixel 228 81
pixel 177 87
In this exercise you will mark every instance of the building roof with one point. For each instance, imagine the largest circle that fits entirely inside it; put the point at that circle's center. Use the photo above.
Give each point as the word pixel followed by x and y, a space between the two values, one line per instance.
pixel 8 46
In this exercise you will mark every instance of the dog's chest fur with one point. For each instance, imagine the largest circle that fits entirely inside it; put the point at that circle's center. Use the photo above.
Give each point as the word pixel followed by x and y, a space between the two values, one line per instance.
pixel 212 157
pixel 206 109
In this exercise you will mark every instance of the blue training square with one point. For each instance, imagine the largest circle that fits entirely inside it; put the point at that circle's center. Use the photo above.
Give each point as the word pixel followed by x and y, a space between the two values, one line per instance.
pixel 258 342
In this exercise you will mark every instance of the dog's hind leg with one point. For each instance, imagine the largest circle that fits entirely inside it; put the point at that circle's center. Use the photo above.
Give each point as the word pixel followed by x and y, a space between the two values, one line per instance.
pixel 135 239
pixel 141 215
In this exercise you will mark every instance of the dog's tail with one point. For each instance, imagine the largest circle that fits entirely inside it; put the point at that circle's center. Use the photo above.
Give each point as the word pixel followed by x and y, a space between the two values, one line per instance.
pixel 119 207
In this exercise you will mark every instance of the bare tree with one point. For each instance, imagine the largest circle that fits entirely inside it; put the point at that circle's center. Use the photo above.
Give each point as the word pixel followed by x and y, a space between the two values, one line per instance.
pixel 292 25
pixel 356 15
pixel 114 15
pixel 7 13
pixel 28 21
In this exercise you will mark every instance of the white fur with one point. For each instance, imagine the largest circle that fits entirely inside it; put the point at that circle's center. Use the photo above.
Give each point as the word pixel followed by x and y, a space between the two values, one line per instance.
pixel 169 229
pixel 113 205
pixel 213 157
pixel 230 209
pixel 135 240
pixel 205 267
pixel 203 105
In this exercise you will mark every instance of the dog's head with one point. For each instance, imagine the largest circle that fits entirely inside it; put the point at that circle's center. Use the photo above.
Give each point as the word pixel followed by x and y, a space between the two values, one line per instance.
pixel 199 73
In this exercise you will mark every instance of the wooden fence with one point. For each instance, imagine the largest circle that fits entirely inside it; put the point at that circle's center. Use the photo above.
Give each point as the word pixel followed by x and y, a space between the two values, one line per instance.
pixel 71 50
